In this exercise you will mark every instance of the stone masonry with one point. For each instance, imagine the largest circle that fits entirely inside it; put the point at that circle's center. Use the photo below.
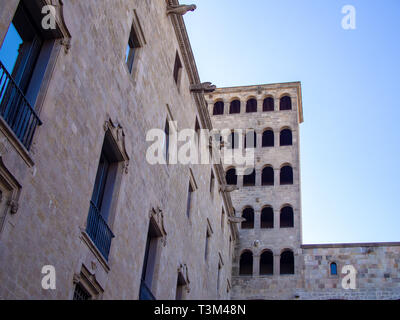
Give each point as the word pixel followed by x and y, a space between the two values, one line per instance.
pixel 86 96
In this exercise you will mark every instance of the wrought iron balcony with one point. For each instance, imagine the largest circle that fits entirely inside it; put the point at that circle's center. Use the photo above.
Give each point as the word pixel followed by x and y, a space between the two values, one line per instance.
pixel 16 110
pixel 99 231
pixel 145 292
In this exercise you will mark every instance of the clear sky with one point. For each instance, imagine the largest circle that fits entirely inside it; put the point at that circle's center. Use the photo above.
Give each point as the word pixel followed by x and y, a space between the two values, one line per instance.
pixel 350 139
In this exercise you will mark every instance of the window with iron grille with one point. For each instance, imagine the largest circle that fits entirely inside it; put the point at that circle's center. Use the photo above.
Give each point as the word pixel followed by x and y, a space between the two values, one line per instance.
pixel 81 293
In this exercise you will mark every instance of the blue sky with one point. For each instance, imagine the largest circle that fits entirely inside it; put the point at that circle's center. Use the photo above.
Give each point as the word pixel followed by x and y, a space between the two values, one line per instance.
pixel 350 78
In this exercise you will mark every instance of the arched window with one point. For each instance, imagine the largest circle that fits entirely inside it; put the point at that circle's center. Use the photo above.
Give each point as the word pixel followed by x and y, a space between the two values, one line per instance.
pixel 250 140
pixel 286 217
pixel 233 140
pixel 251 105
pixel 268 138
pixel 267 218
pixel 218 108
pixel 268 104
pixel 286 137
pixel 267 178
pixel 248 214
pixel 246 263
pixel 285 103
pixel 234 107
pixel 287 262
pixel 249 180
pixel 231 177
pixel 267 263
pixel 287 175
pixel 333 269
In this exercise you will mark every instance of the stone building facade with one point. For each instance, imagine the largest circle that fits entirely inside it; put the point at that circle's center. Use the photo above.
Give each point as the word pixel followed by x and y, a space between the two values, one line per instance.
pixel 80 199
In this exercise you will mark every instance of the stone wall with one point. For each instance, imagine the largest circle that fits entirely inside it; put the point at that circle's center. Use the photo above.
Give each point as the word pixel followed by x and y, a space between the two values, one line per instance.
pixel 377 266
pixel 89 85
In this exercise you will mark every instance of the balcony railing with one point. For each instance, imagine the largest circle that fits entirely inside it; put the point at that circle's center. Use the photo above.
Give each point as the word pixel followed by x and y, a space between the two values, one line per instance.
pixel 99 231
pixel 145 292
pixel 16 110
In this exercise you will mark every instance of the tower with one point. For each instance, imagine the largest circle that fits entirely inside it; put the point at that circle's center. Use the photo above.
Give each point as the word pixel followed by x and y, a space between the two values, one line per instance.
pixel 267 261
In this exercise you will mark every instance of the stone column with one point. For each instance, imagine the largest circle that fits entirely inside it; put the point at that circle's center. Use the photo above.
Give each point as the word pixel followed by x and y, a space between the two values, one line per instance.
pixel 277 138
pixel 277 261
pixel 256 265
pixel 277 172
pixel 258 177
pixel 257 219
pixel 260 105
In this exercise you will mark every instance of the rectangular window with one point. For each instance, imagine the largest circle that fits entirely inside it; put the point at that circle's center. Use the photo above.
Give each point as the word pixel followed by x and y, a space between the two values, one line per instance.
pixel 189 199
pixel 149 264
pixel 223 220
pixel 132 48
pixel 97 224
pixel 177 70
pixel 80 293
pixel 180 287
pixel 166 132
pixel 212 184
pixel 207 247
pixel 24 56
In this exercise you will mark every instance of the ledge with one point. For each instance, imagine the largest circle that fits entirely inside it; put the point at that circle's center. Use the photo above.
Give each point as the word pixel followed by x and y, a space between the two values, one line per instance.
pixel 86 239
pixel 14 141
pixel 351 245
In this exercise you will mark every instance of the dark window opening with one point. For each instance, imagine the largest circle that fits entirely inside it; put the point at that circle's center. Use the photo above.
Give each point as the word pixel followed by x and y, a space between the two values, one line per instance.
pixel 286 137
pixel 287 217
pixel 234 107
pixel 218 108
pixel 180 287
pixel 268 138
pixel 250 140
pixel 81 293
pixel 177 69
pixel 251 106
pixel 131 49
pixel 212 183
pixel 149 264
pixel 231 177
pixel 267 263
pixel 249 180
pixel 268 104
pixel 246 263
pixel 97 223
pixel 166 132
pixel 267 178
pixel 267 218
pixel 285 103
pixel 333 269
pixel 287 175
pixel 287 262
pixel 207 247
pixel 189 200
pixel 248 214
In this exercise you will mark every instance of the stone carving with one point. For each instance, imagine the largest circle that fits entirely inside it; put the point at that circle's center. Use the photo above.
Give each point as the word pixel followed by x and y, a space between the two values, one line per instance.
pixel 118 135
pixel 204 87
pixel 236 219
pixel 13 207
pixel 183 270
pixel 228 188
pixel 66 39
pixel 180 9
pixel 158 217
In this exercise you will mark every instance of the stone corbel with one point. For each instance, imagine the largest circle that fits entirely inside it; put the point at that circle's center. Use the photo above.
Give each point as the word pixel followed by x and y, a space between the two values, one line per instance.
pixel 228 188
pixel 13 206
pixel 60 21
pixel 205 87
pixel 236 219
pixel 157 216
pixel 118 135
pixel 180 9
pixel 183 270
